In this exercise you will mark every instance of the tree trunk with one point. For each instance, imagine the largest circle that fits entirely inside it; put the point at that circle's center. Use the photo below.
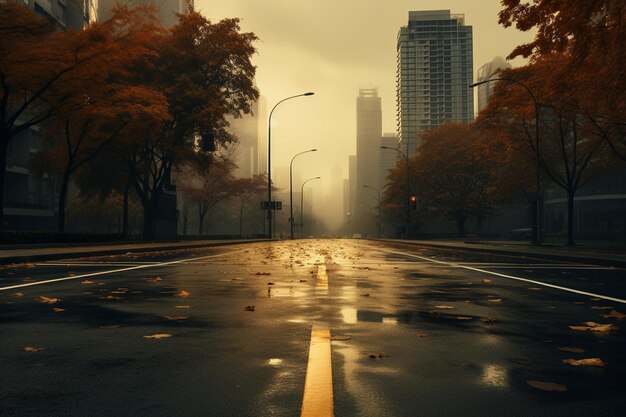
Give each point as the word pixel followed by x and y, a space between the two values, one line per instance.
pixel 201 214
pixel 570 217
pixel 65 183
pixel 125 210
pixel 3 167
pixel 460 225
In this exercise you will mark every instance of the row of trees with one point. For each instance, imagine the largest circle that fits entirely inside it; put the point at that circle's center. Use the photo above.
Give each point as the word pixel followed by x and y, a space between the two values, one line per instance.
pixel 123 102
pixel 576 75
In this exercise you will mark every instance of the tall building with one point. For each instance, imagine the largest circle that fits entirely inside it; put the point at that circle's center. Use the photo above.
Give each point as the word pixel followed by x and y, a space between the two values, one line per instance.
pixel 166 9
pixel 434 70
pixel 368 133
pixel 246 129
pixel 487 71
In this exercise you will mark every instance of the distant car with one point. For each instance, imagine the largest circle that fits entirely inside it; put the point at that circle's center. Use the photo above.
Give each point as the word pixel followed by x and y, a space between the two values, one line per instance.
pixel 356 236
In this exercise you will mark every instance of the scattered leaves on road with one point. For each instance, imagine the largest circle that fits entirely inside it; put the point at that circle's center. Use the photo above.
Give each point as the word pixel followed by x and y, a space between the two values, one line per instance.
pixel 32 349
pixel 547 386
pixel 249 308
pixel 571 349
pixel 585 362
pixel 595 327
pixel 614 314
pixel 49 300
pixel 158 336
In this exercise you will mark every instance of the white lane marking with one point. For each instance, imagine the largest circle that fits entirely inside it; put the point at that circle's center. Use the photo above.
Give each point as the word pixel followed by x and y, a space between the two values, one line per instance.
pixel 531 281
pixel 317 400
pixel 113 271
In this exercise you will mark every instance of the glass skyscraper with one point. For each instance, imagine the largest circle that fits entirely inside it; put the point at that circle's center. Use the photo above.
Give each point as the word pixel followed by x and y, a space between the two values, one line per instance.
pixel 434 71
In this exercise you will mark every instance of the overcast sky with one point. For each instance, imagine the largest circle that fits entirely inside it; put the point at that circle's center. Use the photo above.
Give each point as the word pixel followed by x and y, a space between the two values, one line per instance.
pixel 335 47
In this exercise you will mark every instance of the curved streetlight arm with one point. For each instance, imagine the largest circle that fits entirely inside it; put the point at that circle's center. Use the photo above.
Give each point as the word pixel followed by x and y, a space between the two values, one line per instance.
pixel 291 189
pixel 511 80
pixel 269 159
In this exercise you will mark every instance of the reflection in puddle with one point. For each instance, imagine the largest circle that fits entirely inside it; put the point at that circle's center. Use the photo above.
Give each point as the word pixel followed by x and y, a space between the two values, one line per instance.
pixel 322 278
pixel 495 375
pixel 275 362
pixel 351 315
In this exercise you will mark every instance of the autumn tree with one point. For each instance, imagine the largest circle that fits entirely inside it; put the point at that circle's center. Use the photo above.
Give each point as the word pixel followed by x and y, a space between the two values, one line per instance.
pixel 572 149
pixel 455 175
pixel 212 183
pixel 588 37
pixel 204 71
pixel 37 64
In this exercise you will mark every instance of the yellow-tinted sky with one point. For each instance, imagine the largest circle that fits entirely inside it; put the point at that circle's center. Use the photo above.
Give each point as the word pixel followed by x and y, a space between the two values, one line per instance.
pixel 335 47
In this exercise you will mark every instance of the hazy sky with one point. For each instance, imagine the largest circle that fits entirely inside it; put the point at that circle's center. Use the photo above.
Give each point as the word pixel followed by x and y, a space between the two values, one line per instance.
pixel 335 47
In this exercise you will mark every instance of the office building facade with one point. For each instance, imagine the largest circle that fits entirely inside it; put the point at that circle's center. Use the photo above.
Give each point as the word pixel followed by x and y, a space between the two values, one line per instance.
pixel 486 72
pixel 434 70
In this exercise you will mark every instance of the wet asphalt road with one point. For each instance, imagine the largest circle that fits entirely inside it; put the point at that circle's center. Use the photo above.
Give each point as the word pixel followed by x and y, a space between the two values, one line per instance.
pixel 415 332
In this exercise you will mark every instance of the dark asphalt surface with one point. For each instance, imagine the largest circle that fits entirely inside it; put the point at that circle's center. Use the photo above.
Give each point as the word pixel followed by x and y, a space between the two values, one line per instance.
pixel 414 333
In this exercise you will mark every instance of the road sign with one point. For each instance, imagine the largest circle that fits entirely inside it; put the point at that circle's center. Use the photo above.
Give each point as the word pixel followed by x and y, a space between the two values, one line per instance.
pixel 276 205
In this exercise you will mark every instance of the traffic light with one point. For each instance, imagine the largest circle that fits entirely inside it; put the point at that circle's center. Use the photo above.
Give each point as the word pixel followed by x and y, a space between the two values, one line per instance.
pixel 413 200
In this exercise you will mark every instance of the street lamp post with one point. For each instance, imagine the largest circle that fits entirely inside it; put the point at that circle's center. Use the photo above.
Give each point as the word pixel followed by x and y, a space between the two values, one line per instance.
pixel 408 192
pixel 537 222
pixel 379 218
pixel 291 189
pixel 302 203
pixel 269 161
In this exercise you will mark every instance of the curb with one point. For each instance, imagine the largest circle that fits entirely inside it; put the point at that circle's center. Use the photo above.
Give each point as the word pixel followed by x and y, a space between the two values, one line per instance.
pixel 574 258
pixel 116 251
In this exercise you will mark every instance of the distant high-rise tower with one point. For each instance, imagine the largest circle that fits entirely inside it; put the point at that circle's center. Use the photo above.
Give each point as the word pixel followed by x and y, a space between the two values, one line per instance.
pixel 166 9
pixel 368 133
pixel 434 71
pixel 487 71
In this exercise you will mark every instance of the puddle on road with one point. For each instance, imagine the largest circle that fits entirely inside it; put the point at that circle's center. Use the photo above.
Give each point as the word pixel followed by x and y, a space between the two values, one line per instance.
pixel 495 375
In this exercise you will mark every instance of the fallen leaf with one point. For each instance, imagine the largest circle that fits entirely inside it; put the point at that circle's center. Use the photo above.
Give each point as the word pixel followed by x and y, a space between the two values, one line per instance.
pixel 174 318
pixel 487 280
pixel 571 349
pixel 547 386
pixel 303 280
pixel 157 279
pixel 249 308
pixel 488 320
pixel 183 306
pixel 32 349
pixel 495 300
pixel 183 293
pixel 534 289
pixel 87 282
pixel 464 318
pixel 18 295
pixel 365 295
pixel 48 300
pixel 270 283
pixel 58 310
pixel 443 307
pixel 585 362
pixel 421 334
pixel 262 273
pixel 595 327
pixel 158 336
pixel 614 315
pixel 111 297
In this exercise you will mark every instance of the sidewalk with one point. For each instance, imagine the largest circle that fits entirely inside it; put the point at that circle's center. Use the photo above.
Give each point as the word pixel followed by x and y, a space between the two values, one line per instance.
pixel 589 254
pixel 50 252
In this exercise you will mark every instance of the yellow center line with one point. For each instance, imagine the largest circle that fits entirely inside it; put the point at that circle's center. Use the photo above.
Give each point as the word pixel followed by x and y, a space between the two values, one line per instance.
pixel 318 385
pixel 321 282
